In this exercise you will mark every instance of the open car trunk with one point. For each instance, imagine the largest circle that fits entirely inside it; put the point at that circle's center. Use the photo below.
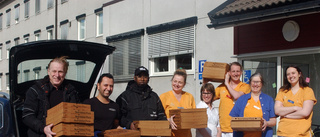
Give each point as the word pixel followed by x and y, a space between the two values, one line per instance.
pixel 28 62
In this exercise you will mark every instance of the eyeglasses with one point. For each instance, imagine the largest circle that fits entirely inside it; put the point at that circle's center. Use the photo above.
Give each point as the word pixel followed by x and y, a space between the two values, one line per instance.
pixel 208 93
pixel 256 82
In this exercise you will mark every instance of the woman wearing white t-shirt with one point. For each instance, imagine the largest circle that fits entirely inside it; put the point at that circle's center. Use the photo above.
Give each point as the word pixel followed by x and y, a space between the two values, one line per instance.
pixel 213 129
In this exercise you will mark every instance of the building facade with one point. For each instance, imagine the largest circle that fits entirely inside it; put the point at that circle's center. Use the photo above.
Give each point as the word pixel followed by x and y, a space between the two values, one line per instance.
pixel 161 35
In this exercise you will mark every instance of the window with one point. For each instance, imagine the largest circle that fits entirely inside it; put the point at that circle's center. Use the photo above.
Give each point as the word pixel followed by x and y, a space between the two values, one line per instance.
pixel 81 29
pixel 37 72
pixel 8 17
pixel 171 49
pixel 37 34
pixel 26 8
pixel 7 81
pixel 1 52
pixel 50 4
pixel 50 34
pixel 64 1
pixel 1 21
pixel 99 24
pixel 26 74
pixel 127 57
pixel 64 25
pixel 1 82
pixel 16 41
pixel 81 71
pixel 8 48
pixel 37 10
pixel 37 37
pixel 26 40
pixel 17 13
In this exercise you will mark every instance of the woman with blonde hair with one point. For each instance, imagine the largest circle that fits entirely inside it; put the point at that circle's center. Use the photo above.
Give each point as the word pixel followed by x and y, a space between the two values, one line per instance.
pixel 177 99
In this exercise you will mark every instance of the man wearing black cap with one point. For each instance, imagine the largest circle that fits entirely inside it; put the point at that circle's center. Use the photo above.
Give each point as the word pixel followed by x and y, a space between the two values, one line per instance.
pixel 138 101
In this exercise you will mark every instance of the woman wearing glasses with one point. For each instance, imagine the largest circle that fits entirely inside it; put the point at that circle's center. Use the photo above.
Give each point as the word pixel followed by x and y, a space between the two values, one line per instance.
pixel 213 129
pixel 255 104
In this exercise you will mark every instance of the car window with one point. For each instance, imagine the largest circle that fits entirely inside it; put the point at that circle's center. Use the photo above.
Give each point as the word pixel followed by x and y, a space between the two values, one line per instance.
pixel 79 70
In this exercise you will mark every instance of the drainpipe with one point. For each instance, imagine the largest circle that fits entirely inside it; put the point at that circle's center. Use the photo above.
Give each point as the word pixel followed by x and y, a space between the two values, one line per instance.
pixel 56 20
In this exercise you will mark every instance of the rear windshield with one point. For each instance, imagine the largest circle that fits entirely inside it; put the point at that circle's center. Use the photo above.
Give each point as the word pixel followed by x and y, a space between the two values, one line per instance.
pixel 79 70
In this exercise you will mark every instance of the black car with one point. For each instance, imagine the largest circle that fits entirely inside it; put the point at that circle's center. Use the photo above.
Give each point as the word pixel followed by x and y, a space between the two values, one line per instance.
pixel 28 63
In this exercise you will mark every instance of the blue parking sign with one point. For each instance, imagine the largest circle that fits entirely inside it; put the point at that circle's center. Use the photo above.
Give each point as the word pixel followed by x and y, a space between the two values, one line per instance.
pixel 201 63
pixel 247 75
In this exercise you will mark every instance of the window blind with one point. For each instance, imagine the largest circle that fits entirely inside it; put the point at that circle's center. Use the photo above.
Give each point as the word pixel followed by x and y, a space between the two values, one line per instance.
pixel 172 42
pixel 126 57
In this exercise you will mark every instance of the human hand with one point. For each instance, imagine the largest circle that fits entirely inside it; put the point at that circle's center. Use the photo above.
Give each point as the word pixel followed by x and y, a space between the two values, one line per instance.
pixel 227 78
pixel 119 127
pixel 47 130
pixel 264 126
pixel 172 124
pixel 132 126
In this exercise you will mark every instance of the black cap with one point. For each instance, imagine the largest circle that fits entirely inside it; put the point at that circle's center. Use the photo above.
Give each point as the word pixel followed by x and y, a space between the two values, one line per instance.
pixel 141 69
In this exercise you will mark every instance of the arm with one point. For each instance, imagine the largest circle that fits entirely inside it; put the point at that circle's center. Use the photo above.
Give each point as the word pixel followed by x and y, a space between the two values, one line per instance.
pixel 219 132
pixel 272 122
pixel 30 110
pixel 280 110
pixel 234 94
pixel 304 112
pixel 124 122
pixel 161 113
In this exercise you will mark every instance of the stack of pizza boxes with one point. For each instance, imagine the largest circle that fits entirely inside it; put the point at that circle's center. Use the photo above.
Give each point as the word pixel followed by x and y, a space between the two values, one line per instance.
pixel 190 118
pixel 153 127
pixel 215 71
pixel 119 133
pixel 71 119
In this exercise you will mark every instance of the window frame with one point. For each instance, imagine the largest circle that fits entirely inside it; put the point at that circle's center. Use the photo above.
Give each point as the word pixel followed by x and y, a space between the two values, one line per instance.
pixel 37 8
pixel 26 9
pixel 8 22
pixel 50 4
pixel 81 29
pixel 164 31
pixel 98 24
pixel 17 13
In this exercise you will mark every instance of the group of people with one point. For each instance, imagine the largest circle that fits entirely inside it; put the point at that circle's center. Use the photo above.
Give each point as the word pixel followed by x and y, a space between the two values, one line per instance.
pixel 294 103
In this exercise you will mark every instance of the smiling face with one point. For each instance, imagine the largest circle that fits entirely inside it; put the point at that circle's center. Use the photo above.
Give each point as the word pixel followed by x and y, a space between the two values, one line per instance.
pixel 293 76
pixel 235 72
pixel 105 87
pixel 56 73
pixel 207 96
pixel 256 84
pixel 177 83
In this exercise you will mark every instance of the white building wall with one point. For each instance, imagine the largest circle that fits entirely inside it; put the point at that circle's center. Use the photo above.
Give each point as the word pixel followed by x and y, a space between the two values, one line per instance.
pixel 121 17
pixel 210 44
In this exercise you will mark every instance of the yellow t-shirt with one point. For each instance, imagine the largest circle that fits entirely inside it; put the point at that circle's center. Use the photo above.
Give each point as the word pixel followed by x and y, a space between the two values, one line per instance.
pixel 287 126
pixel 169 101
pixel 227 103
pixel 252 109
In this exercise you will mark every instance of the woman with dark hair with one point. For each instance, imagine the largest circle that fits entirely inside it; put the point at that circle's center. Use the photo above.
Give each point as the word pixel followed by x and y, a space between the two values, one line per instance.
pixel 213 130
pixel 294 103
pixel 255 104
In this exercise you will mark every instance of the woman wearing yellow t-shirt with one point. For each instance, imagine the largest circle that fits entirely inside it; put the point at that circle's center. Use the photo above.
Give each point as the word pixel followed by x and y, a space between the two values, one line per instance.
pixel 177 98
pixel 294 103
pixel 255 104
